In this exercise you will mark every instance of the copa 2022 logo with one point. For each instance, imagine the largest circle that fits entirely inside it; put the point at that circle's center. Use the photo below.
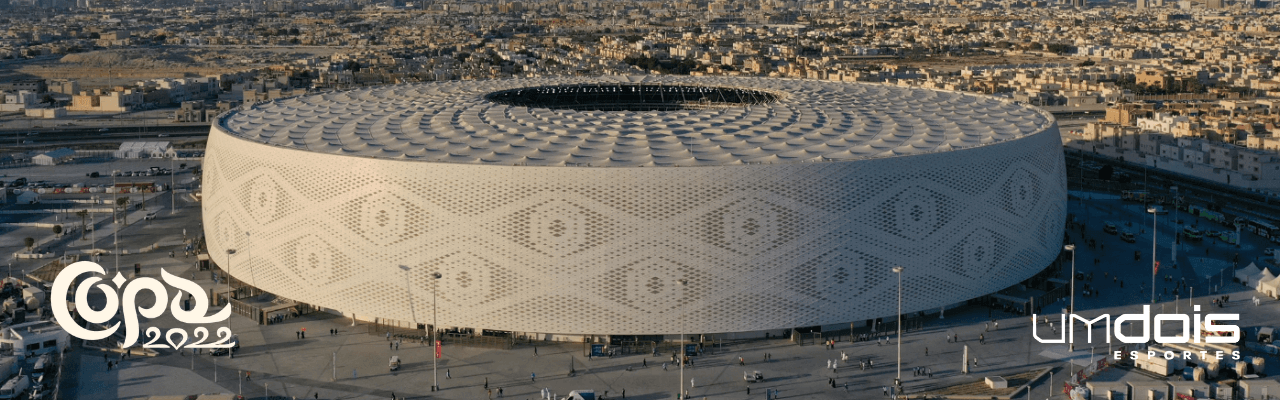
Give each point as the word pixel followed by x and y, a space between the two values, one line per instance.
pixel 125 293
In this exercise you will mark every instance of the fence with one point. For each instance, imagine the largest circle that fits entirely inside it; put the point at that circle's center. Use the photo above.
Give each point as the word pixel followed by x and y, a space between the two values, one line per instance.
pixel 57 375
pixel 400 329
pixel 462 339
pixel 246 310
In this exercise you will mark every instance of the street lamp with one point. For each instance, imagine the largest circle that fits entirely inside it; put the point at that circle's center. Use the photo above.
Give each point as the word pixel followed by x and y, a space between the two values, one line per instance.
pixel 898 382
pixel 680 355
pixel 1152 210
pixel 173 196
pixel 435 384
pixel 228 278
pixel 1072 249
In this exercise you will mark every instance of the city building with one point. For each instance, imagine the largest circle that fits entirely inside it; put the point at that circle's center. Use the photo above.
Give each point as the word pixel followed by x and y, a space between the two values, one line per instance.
pixel 559 208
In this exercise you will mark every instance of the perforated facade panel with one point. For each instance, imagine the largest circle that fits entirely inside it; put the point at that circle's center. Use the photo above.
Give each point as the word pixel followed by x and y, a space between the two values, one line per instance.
pixel 599 250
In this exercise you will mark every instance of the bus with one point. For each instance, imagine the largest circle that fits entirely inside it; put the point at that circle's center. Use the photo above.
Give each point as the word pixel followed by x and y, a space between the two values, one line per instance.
pixel 1134 195
pixel 1261 228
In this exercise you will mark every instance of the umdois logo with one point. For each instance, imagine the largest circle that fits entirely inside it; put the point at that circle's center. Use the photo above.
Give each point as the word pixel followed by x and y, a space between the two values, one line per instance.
pixel 1196 328
pixel 125 293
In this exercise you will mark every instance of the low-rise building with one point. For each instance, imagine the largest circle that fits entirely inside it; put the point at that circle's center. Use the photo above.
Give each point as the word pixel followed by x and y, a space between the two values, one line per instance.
pixel 54 157
pixel 105 101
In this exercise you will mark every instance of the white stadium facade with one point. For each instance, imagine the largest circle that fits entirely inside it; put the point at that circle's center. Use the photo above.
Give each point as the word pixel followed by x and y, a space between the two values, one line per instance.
pixel 654 205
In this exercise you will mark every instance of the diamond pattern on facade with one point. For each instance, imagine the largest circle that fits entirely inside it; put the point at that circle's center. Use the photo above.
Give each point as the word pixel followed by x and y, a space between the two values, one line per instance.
pixel 557 228
pixel 574 250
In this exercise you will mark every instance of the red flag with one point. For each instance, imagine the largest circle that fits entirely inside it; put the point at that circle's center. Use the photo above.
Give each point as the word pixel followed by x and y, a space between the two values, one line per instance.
pixel 1155 269
pixel 437 349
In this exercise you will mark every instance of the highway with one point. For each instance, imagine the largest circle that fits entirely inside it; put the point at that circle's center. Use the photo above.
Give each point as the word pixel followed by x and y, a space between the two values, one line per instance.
pixel 28 139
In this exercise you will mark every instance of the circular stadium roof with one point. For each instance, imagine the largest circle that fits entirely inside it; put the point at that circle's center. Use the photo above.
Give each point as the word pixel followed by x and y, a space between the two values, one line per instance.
pixel 635 121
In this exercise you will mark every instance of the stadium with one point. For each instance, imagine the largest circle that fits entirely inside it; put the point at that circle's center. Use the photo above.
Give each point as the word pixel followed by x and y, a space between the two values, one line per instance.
pixel 623 205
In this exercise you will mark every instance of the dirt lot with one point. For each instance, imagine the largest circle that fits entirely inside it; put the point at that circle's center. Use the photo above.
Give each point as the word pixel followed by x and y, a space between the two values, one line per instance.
pixel 105 67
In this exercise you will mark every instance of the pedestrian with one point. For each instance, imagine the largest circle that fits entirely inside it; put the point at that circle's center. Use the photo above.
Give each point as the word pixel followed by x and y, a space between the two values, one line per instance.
pixel 624 392
pixel 486 382
pixel 691 383
pixel 535 351
pixel 741 361
pixel 448 374
pixel 388 336
pixel 664 366
pixel 997 325
pixel 297 334
pixel 926 351
pixel 390 345
pixel 884 390
pixel 986 327
pixel 644 363
pixel 533 377
pixel 982 338
pixel 248 375
pixel 397 345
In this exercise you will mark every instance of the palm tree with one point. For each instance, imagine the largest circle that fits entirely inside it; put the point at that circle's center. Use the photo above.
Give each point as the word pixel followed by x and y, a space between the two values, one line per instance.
pixel 122 203
pixel 84 215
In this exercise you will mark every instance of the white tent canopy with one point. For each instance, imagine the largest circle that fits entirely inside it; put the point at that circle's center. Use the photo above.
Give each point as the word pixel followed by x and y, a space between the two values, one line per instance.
pixel 1270 287
pixel 1257 280
pixel 1245 273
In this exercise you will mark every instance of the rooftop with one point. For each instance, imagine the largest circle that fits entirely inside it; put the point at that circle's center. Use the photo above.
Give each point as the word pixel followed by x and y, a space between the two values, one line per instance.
pixel 635 121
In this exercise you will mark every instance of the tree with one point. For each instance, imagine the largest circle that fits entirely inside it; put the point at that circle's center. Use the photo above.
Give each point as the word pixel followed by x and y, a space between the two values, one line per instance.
pixel 1105 172
pixel 84 215
pixel 122 203
pixel 48 99
pixel 29 242
pixel 1086 63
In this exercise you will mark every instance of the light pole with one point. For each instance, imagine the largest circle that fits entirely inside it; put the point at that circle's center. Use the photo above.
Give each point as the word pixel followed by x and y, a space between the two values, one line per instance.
pixel 115 241
pixel 898 382
pixel 680 357
pixel 1152 210
pixel 228 278
pixel 435 384
pixel 173 196
pixel 1072 249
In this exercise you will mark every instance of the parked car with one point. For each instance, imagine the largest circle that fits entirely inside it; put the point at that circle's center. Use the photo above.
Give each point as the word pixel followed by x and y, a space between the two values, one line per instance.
pixel 1110 227
pixel 1128 237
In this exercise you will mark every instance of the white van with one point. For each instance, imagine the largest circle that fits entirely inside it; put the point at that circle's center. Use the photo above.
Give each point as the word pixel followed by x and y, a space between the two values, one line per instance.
pixel 15 387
